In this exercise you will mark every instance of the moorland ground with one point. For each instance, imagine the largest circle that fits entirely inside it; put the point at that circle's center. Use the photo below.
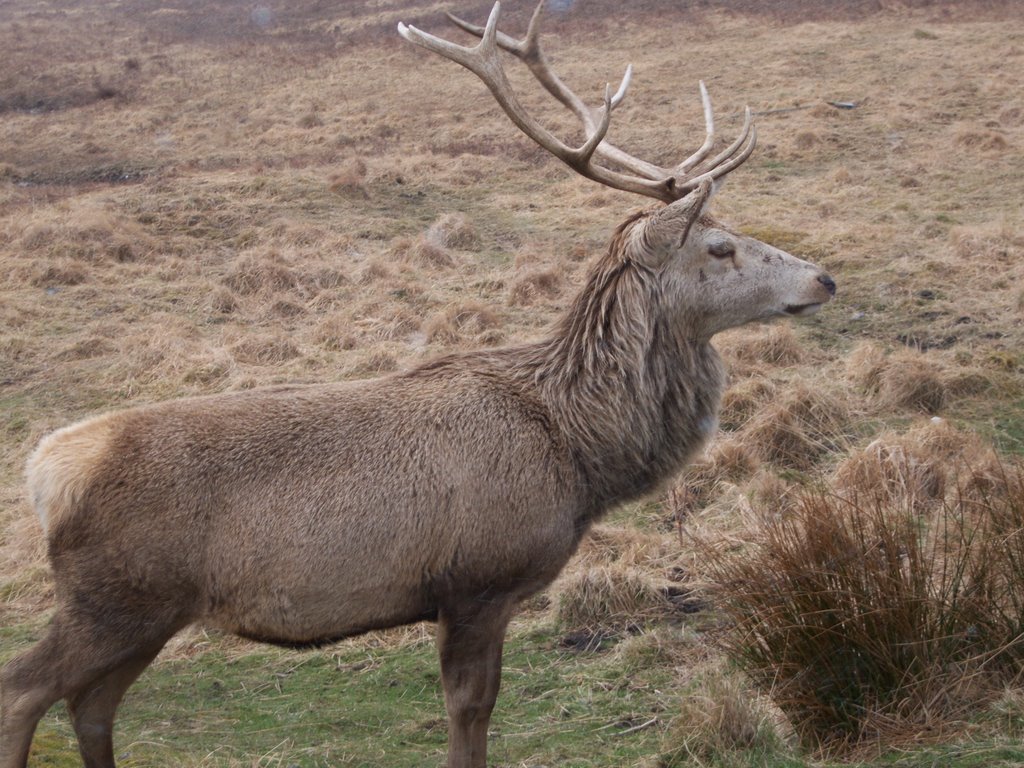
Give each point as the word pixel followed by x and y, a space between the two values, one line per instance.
pixel 204 197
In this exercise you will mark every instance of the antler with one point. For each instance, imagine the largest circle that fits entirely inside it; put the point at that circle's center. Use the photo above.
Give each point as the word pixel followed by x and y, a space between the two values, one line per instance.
pixel 666 184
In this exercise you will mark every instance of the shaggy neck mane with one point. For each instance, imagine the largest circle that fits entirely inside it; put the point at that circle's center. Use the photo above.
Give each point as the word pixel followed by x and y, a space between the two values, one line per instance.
pixel 634 397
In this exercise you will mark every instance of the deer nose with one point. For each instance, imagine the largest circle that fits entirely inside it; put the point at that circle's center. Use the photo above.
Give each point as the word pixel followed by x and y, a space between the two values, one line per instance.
pixel 829 283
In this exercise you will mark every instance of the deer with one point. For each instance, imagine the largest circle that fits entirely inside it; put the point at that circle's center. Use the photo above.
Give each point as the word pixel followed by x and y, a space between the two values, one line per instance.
pixel 302 514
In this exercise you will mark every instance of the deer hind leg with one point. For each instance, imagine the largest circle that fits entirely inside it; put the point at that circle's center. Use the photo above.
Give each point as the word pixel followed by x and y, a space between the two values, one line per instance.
pixel 92 709
pixel 470 639
pixel 76 655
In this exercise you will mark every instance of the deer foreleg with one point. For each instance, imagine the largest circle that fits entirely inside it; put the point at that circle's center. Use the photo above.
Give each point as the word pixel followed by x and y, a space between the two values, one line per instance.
pixel 470 639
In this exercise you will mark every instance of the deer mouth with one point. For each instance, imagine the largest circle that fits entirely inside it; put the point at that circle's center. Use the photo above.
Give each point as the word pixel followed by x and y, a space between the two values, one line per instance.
pixel 802 310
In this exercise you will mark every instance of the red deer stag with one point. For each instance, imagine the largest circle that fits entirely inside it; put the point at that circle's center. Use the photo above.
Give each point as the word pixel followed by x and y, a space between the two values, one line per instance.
pixel 303 514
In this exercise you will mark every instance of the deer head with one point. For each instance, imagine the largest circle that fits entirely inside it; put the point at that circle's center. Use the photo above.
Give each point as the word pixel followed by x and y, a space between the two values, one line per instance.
pixel 716 278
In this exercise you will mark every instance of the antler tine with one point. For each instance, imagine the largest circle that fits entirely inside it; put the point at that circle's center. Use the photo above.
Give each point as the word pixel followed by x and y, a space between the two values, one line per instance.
pixel 725 154
pixel 595 139
pixel 623 87
pixel 528 51
pixel 709 138
pixel 484 62
pixel 507 42
pixel 717 171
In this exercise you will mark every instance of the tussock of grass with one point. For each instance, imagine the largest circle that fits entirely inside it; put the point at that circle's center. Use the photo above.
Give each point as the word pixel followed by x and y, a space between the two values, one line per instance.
pixel 767 490
pixel 721 722
pixel 864 366
pixel 424 251
pixel 625 547
pixel 453 230
pixel 775 345
pixel 64 272
pixel 899 470
pixel 658 647
pixel 910 381
pixel 991 242
pixel 378 363
pixel 265 350
pixel 802 426
pixel 350 179
pixel 472 320
pixel 921 466
pixel 620 579
pixel 255 274
pixel 981 139
pixel 609 597
pixel 222 301
pixel 1006 713
pixel 727 460
pixel 744 399
pixel 536 286
pixel 376 271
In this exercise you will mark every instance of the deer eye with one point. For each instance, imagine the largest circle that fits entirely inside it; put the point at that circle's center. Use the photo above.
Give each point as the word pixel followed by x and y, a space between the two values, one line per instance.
pixel 722 249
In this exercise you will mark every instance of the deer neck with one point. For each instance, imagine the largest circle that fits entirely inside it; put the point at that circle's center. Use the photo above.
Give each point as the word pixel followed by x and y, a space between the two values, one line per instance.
pixel 634 396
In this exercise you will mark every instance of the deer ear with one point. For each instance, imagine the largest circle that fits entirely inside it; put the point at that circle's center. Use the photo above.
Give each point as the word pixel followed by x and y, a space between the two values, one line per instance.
pixel 666 231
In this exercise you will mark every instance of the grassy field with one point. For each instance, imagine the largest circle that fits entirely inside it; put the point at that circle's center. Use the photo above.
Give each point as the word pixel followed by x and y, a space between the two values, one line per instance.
pixel 204 197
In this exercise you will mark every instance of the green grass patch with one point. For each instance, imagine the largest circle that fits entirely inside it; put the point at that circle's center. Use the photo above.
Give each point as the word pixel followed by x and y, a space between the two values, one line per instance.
pixel 361 707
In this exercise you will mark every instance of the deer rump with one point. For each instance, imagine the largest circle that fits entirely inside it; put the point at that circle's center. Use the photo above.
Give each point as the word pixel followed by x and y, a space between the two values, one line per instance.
pixel 300 515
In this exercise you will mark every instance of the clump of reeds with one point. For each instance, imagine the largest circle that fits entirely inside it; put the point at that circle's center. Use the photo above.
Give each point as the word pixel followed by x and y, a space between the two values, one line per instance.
pixel 867 617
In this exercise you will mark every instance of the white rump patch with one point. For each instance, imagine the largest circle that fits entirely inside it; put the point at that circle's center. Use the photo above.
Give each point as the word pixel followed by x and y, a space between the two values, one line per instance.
pixel 60 469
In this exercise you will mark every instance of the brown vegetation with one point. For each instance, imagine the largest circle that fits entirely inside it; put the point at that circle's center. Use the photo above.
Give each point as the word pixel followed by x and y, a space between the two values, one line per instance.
pixel 874 617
